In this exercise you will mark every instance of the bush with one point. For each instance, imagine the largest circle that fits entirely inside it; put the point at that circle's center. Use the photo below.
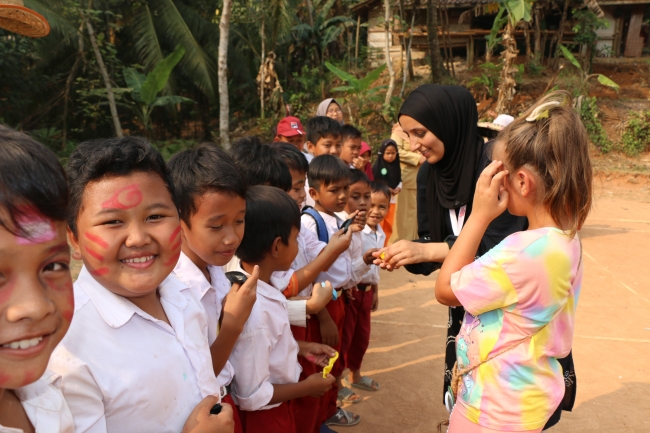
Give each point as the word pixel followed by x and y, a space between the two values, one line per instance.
pixel 589 113
pixel 636 136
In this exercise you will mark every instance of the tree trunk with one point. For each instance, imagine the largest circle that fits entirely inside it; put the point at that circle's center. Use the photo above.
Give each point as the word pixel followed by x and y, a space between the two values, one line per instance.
pixel 68 85
pixel 104 72
pixel 409 67
pixel 356 42
pixel 224 105
pixel 262 67
pixel 539 53
pixel 437 68
pixel 507 85
pixel 560 35
pixel 309 13
pixel 529 52
pixel 389 61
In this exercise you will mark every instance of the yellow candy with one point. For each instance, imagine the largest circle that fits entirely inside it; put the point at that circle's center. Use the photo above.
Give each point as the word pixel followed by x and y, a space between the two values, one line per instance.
pixel 329 367
pixel 382 255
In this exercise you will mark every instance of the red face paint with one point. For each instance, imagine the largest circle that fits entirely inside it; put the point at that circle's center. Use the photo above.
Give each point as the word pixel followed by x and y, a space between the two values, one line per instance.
pixel 67 315
pixel 94 253
pixel 173 260
pixel 175 233
pixel 30 377
pixel 35 227
pixel 124 198
pixel 5 293
pixel 4 378
pixel 96 239
pixel 98 272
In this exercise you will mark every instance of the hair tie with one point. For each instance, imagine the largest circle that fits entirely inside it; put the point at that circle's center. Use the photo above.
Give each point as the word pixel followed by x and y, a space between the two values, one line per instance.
pixel 543 110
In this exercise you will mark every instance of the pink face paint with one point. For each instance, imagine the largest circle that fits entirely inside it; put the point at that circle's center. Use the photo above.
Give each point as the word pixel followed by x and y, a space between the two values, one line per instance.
pixel 175 233
pixel 5 294
pixel 30 377
pixel 96 239
pixel 99 272
pixel 173 260
pixel 36 229
pixel 67 315
pixel 177 238
pixel 124 198
pixel 94 253
pixel 4 378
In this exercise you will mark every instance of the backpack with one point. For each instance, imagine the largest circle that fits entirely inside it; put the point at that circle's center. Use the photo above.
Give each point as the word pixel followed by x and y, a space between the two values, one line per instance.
pixel 321 228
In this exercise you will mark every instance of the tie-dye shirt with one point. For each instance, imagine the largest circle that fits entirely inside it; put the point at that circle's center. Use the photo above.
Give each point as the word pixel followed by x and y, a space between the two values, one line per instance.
pixel 528 284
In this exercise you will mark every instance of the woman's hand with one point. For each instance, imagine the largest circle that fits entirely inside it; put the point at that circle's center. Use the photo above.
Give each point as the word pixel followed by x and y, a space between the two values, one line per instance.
pixel 407 253
pixel 200 420
pixel 491 196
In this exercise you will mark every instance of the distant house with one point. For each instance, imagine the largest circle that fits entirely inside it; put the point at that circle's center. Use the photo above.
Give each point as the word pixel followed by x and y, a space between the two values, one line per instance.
pixel 626 35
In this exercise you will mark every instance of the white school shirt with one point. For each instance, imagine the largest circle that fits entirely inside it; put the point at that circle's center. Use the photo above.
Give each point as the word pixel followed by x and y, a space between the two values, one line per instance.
pixel 297 309
pixel 123 370
pixel 210 295
pixel 358 267
pixel 372 239
pixel 340 273
pixel 265 353
pixel 309 247
pixel 44 406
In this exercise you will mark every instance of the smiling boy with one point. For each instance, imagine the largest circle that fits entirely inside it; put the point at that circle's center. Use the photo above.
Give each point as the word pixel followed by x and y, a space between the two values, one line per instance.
pixel 136 357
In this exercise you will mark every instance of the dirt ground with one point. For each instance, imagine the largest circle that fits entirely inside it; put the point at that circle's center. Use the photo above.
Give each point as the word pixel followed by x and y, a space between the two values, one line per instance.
pixel 611 344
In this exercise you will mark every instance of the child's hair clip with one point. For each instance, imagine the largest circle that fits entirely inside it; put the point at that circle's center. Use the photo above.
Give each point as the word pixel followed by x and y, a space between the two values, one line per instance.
pixel 543 110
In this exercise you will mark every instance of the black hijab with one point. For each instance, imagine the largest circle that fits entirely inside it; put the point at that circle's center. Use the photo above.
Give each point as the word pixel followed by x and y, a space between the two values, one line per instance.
pixel 449 112
pixel 389 172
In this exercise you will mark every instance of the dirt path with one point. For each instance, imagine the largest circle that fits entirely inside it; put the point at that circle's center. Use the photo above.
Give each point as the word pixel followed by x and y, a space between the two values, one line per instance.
pixel 611 345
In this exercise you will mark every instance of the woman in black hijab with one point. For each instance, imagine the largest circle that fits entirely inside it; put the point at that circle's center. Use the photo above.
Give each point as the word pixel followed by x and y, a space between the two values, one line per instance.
pixel 441 122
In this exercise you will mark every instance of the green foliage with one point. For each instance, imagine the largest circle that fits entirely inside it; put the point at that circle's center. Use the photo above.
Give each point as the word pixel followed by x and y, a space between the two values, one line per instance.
pixel 499 21
pixel 589 113
pixel 585 32
pixel 145 89
pixel 359 88
pixel 488 79
pixel 518 10
pixel 636 136
pixel 584 75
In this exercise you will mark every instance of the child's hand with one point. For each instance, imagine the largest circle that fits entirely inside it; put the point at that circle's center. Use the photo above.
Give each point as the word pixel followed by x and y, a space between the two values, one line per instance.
pixel 339 242
pixel 397 190
pixel 361 219
pixel 318 354
pixel 318 385
pixel 490 197
pixel 200 420
pixel 239 302
pixel 375 298
pixel 359 163
pixel 329 334
pixel 368 256
pixel 321 294
pixel 349 293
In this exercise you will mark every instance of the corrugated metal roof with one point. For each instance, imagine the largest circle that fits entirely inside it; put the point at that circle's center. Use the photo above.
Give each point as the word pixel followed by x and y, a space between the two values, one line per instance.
pixel 370 4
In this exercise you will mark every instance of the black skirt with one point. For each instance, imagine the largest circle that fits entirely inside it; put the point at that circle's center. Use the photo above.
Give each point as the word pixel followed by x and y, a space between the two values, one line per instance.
pixel 456 316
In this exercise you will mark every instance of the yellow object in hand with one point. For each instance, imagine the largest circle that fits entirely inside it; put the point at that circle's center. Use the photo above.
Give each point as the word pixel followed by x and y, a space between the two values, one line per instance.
pixel 329 366
pixel 382 255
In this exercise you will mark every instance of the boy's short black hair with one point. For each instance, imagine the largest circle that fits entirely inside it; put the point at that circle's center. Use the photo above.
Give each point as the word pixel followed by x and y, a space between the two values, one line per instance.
pixel 111 157
pixel 259 164
pixel 207 168
pixel 321 126
pixel 325 170
pixel 31 179
pixel 380 186
pixel 358 176
pixel 349 132
pixel 270 213
pixel 294 158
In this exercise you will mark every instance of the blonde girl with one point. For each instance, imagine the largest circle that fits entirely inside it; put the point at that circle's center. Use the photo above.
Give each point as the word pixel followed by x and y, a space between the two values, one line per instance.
pixel 520 298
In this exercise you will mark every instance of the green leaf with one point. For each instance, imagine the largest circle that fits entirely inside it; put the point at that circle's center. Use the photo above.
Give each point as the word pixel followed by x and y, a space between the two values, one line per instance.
pixel 371 77
pixel 345 89
pixel 349 78
pixel 172 99
pixel 567 54
pixel 157 79
pixel 607 82
pixel 134 79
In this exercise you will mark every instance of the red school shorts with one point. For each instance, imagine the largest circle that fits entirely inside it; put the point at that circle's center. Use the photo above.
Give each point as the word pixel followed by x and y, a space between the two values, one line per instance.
pixel 356 331
pixel 306 409
pixel 235 413
pixel 277 420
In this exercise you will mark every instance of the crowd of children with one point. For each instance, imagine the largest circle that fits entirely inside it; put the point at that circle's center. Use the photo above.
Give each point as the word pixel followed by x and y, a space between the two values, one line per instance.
pixel 229 291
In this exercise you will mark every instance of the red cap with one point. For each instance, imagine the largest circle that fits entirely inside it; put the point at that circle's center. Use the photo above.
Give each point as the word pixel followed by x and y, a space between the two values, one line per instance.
pixel 290 126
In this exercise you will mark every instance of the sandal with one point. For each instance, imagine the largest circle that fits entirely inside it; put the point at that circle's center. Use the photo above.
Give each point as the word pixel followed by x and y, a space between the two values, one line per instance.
pixel 343 418
pixel 346 395
pixel 366 383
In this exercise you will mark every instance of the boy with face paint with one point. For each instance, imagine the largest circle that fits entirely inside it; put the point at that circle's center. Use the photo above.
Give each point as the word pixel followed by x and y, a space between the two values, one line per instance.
pixel 133 320
pixel 36 301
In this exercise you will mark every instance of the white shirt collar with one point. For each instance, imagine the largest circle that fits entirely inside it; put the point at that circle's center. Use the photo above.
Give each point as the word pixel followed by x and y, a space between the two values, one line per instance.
pixel 190 274
pixel 265 289
pixel 117 310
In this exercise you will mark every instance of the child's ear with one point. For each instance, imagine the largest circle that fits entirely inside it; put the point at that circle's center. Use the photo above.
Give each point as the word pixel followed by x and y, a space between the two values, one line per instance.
pixel 313 193
pixel 74 243
pixel 525 183
pixel 275 247
pixel 310 146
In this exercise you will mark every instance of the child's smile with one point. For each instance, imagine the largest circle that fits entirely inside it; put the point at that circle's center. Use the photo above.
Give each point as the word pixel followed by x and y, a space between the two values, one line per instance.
pixel 129 234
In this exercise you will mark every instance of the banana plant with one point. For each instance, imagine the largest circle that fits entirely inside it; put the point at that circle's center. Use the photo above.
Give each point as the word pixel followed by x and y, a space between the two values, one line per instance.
pixel 145 89
pixel 585 75
pixel 359 88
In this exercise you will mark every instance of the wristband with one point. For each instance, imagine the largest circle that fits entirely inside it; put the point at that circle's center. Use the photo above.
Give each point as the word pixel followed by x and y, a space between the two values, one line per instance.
pixel 335 296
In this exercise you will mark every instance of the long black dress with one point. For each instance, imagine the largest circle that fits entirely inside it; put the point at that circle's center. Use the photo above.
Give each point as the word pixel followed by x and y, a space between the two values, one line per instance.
pixel 499 229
